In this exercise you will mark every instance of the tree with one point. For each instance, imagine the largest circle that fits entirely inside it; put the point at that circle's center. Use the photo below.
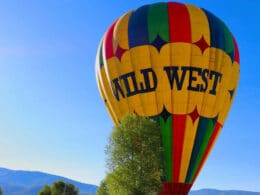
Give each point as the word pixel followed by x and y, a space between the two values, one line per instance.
pixel 59 188
pixel 46 190
pixel 1 192
pixel 134 157
pixel 103 188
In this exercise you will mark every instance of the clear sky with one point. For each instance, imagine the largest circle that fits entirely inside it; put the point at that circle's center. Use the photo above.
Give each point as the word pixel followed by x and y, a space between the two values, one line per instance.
pixel 52 118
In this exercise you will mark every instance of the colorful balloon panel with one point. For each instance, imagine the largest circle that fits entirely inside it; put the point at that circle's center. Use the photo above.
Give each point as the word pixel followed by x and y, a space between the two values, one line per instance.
pixel 178 64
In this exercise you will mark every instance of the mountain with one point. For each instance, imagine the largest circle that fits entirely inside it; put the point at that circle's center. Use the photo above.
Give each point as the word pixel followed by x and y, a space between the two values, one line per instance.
pixel 222 192
pixel 15 182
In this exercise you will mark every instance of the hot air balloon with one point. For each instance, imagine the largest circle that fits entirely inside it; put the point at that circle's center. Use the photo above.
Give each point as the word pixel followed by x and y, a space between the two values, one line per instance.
pixel 178 64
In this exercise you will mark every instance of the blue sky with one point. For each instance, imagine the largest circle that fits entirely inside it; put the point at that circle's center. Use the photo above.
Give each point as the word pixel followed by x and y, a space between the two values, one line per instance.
pixel 52 118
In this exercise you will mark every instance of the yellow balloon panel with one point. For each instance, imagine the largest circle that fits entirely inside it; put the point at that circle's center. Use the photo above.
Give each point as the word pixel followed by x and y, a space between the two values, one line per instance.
pixel 121 31
pixel 198 18
pixel 186 80
pixel 189 138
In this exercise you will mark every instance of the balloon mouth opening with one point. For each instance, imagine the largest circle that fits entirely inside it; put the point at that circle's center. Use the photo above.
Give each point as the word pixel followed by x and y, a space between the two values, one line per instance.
pixel 175 188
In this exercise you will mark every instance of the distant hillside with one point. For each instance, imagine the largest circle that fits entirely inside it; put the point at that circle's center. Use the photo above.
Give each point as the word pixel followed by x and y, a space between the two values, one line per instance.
pixel 30 182
pixel 220 192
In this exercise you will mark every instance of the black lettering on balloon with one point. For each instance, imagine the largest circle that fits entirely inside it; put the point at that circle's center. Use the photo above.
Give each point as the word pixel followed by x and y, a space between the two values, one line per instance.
pixel 194 78
pixel 149 86
pixel 217 78
pixel 117 89
pixel 126 79
pixel 126 85
pixel 204 75
pixel 172 74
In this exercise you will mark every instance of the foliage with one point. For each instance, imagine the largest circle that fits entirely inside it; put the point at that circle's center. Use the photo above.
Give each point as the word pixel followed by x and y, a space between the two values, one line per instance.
pixel 134 157
pixel 59 188
pixel 46 190
pixel 1 192
pixel 103 188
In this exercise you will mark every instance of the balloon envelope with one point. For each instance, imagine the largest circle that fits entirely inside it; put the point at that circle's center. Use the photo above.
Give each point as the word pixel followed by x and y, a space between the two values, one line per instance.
pixel 178 64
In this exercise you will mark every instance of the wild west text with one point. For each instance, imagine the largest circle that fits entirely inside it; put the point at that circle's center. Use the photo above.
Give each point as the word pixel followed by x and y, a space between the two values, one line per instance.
pixel 199 80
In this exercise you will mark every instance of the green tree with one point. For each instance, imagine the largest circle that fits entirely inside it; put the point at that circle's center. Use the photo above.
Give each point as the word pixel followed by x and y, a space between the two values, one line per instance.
pixel 134 157
pixel 103 188
pixel 59 188
pixel 1 192
pixel 46 190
